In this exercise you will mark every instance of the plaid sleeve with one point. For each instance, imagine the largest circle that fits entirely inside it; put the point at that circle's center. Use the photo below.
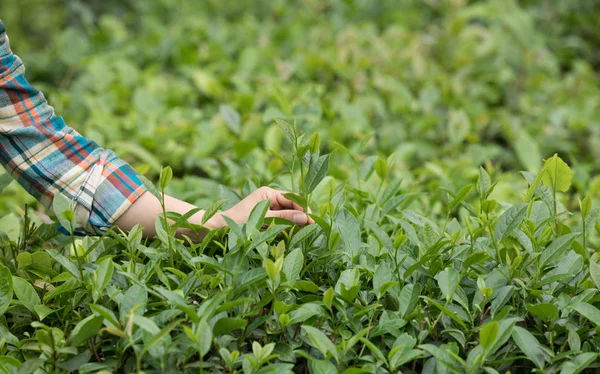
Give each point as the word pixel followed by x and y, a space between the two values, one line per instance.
pixel 48 158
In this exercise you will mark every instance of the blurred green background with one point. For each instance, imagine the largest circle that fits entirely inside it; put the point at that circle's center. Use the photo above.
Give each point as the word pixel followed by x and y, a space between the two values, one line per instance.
pixel 443 86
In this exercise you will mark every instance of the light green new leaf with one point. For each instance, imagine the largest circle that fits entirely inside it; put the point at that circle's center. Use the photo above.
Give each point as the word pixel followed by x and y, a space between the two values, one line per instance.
pixel 102 277
pixel 558 175
pixel 488 334
pixel 257 217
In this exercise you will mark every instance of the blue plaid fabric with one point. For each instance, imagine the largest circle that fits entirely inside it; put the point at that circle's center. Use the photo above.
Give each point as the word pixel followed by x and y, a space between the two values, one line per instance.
pixel 49 158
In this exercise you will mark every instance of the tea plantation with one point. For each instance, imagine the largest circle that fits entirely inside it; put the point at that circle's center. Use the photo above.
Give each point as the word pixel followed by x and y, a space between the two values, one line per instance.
pixel 447 149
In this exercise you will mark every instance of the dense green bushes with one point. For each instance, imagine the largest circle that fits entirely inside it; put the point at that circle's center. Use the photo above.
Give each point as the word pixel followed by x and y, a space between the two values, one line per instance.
pixel 420 259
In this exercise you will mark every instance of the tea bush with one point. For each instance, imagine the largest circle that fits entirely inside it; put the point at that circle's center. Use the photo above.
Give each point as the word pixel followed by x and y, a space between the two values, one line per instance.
pixel 404 126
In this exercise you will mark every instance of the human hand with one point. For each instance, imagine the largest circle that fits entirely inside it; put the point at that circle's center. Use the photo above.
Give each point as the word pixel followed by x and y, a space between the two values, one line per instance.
pixel 280 207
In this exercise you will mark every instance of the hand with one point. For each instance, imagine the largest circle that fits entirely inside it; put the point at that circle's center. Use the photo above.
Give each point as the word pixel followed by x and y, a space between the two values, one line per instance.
pixel 280 207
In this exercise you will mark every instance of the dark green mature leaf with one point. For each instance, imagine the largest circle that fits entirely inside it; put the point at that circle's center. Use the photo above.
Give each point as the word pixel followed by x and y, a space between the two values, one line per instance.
pixel 529 345
pixel 65 262
pixel 588 311
pixel 555 250
pixel 5 180
pixel 6 288
pixel 545 311
pixel 320 341
pixel 228 324
pixel 26 294
pixel 510 221
pixel 85 329
pixel 444 358
pixel 579 363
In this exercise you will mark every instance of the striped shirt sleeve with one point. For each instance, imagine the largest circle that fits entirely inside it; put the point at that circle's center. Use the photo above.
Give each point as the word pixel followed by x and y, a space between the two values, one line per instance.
pixel 49 158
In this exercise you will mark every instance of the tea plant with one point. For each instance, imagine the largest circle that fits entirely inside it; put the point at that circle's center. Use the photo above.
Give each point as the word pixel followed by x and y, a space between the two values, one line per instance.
pixel 373 286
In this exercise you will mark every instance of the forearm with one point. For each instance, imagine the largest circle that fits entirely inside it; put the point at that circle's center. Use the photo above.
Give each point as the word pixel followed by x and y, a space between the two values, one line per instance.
pixel 147 209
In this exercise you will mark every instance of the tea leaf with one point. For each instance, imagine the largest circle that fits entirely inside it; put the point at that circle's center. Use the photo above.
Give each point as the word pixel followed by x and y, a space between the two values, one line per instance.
pixel 510 221
pixel 529 345
pixel 558 175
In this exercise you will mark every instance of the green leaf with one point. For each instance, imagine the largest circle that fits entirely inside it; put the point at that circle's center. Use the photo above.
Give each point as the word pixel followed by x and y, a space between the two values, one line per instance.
pixel 5 180
pixel 321 367
pixel 65 262
pixel 595 269
pixel 350 231
pixel 444 358
pixel 460 196
pixel 302 234
pixel 510 221
pixel 85 329
pixel 316 173
pixel 556 249
pixel 382 276
pixel 448 280
pixel 446 311
pixel 166 174
pixel 488 334
pixel 6 289
pixel 579 363
pixel 231 117
pixel 558 175
pixel 228 324
pixel 381 168
pixel 292 265
pixel 545 311
pixel 530 346
pixel 527 151
pixel 257 217
pixel 320 341
pixel 588 311
pixel 536 183
pixel 150 186
pixel 287 129
pixel 212 210
pixel 585 206
pixel 26 294
pixel 102 277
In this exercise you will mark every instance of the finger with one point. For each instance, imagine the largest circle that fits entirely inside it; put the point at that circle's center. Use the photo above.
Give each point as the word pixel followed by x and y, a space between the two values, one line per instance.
pixel 294 216
pixel 278 201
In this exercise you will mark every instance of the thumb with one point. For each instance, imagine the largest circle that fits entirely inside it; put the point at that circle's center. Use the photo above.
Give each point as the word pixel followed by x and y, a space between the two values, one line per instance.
pixel 295 216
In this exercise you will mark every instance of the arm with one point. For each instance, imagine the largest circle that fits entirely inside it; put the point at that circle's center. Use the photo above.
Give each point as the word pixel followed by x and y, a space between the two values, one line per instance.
pixel 147 208
pixel 48 158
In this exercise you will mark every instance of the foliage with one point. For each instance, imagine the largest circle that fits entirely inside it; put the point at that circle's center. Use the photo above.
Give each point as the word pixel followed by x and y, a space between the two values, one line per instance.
pixel 401 124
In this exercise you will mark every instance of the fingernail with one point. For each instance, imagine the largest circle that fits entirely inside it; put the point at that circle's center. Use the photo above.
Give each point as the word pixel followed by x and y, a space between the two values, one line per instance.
pixel 299 219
